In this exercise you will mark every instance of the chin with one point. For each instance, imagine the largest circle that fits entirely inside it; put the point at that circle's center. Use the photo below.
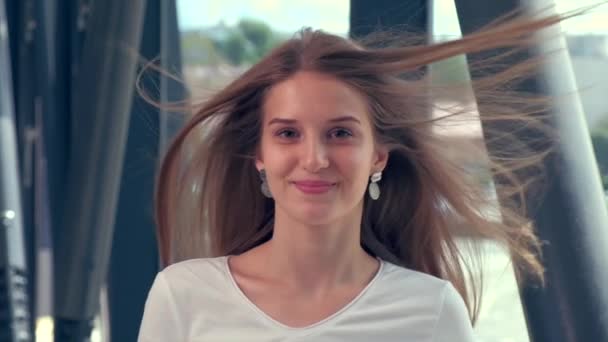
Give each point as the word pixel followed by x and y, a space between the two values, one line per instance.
pixel 314 215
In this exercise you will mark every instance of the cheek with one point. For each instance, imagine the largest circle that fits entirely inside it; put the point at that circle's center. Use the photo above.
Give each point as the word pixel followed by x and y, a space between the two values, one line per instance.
pixel 276 158
pixel 353 163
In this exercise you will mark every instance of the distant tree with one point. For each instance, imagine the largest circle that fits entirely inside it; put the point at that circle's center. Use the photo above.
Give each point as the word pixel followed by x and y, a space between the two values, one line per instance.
pixel 599 137
pixel 244 43
pixel 198 49
pixel 235 47
pixel 258 33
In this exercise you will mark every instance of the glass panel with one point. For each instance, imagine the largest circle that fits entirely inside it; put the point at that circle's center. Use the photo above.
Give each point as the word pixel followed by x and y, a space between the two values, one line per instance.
pixel 501 317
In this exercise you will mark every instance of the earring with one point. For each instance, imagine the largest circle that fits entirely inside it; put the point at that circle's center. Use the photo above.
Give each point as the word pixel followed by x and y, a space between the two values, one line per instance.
pixel 264 187
pixel 374 189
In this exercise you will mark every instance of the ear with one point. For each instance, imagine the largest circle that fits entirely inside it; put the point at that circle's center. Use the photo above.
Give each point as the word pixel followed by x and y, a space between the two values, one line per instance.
pixel 259 164
pixel 380 158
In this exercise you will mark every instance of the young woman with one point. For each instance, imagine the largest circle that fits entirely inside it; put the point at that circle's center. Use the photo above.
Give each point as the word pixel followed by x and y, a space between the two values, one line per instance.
pixel 324 201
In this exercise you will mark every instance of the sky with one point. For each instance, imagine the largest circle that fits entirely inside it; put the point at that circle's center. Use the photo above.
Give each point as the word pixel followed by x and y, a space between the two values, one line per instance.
pixel 332 15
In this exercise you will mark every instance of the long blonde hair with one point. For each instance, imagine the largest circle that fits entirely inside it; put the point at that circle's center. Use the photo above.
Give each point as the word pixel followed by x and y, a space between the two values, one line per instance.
pixel 208 201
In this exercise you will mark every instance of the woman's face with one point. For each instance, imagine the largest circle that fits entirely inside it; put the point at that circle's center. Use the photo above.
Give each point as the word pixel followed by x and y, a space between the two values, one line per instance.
pixel 317 148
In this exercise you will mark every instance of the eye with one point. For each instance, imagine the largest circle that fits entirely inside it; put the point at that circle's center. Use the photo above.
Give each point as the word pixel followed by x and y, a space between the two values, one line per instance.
pixel 340 133
pixel 287 133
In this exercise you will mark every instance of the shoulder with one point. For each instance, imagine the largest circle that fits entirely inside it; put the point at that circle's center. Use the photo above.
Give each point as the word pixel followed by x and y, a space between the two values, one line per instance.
pixel 177 296
pixel 453 322
pixel 188 285
pixel 404 291
pixel 422 283
pixel 439 292
pixel 426 299
pixel 195 267
pixel 209 272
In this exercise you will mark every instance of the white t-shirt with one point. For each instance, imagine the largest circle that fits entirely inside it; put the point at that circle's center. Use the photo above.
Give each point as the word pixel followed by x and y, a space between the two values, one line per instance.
pixel 198 300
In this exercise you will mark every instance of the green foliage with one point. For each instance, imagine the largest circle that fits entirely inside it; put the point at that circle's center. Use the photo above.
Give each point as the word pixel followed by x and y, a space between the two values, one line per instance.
pixel 599 137
pixel 258 34
pixel 198 48
pixel 245 43
pixel 235 48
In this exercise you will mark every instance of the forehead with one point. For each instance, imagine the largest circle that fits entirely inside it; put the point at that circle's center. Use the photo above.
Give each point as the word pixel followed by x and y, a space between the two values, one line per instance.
pixel 313 95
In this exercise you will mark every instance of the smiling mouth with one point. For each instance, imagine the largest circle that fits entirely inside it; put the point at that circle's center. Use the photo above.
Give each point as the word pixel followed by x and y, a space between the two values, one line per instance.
pixel 314 187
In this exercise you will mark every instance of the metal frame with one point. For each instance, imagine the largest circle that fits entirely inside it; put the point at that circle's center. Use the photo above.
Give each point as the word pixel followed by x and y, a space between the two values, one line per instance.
pixel 14 281
pixel 100 118
pixel 131 274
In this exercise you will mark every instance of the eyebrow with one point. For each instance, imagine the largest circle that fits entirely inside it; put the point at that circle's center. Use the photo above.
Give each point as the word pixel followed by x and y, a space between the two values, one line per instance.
pixel 292 121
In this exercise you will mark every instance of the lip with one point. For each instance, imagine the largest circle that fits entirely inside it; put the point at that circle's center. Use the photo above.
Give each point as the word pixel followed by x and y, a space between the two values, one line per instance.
pixel 313 186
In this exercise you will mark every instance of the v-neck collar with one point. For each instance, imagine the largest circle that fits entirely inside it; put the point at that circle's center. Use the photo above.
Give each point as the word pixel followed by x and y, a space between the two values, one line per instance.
pixel 309 327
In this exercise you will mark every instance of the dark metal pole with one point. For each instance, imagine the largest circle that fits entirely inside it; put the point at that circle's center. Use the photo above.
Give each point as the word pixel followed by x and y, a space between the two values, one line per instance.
pixel 24 40
pixel 100 123
pixel 572 217
pixel 14 308
pixel 368 16
pixel 132 271
pixel 171 60
pixel 134 261
pixel 57 138
pixel 391 16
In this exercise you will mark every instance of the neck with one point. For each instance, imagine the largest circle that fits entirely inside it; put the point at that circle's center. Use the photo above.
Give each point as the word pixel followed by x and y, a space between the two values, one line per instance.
pixel 317 257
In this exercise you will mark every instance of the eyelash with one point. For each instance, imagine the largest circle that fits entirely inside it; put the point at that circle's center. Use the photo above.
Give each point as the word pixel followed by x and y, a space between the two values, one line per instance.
pixel 281 132
pixel 342 130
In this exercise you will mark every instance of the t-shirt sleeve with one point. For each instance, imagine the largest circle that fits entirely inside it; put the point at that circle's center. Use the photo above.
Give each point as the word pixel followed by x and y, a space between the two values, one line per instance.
pixel 453 323
pixel 161 321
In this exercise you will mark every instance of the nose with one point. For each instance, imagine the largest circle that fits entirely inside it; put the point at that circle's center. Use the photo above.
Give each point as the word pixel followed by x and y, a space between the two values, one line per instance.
pixel 315 155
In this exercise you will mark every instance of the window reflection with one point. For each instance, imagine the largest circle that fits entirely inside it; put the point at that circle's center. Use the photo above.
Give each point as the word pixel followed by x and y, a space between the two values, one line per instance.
pixel 501 317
